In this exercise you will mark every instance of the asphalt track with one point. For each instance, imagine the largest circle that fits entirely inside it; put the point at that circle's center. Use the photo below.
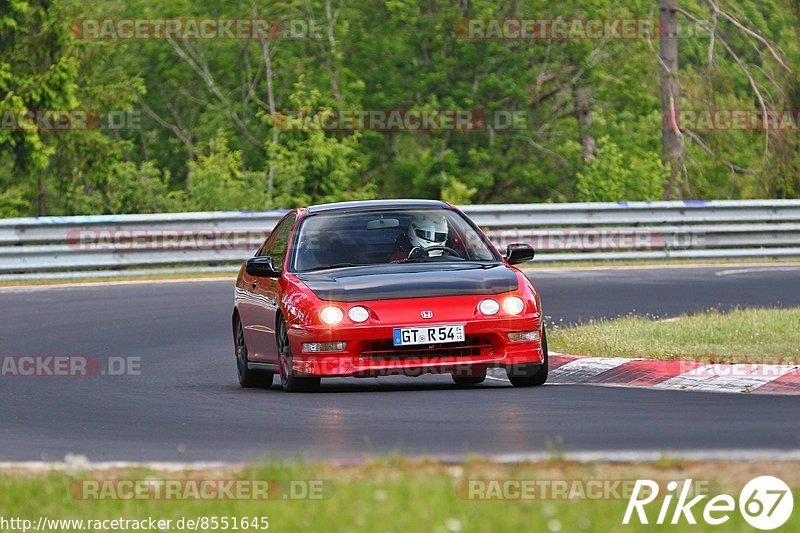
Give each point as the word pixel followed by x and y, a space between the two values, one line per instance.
pixel 186 404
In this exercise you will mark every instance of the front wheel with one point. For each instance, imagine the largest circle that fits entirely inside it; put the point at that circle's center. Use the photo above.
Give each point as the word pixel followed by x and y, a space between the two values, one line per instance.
pixel 530 375
pixel 248 378
pixel 289 382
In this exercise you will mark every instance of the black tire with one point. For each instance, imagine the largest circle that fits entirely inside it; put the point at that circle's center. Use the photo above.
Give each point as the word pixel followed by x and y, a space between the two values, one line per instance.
pixel 475 379
pixel 288 382
pixel 248 378
pixel 530 375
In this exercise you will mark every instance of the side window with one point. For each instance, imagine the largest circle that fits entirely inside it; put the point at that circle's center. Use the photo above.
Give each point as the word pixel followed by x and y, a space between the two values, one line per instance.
pixel 278 242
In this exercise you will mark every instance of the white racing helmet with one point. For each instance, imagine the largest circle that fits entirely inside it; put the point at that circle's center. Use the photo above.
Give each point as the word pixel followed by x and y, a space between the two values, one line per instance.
pixel 428 230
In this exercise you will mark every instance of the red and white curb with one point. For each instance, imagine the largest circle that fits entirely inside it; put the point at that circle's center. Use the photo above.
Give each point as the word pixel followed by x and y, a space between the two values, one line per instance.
pixel 757 378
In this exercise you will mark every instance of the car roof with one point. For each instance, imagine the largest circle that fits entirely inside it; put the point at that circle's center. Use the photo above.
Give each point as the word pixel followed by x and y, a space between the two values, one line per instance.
pixel 375 204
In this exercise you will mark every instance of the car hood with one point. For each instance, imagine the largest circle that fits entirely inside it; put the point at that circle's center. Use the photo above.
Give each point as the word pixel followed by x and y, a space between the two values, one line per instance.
pixel 415 280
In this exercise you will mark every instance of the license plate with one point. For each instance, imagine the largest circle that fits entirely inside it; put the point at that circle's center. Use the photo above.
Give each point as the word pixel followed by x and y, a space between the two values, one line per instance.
pixel 429 334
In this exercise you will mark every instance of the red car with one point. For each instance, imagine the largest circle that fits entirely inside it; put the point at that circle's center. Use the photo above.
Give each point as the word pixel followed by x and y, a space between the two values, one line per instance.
pixel 386 287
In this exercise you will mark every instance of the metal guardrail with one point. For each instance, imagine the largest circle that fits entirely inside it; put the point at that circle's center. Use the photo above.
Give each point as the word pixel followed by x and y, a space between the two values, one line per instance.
pixel 560 232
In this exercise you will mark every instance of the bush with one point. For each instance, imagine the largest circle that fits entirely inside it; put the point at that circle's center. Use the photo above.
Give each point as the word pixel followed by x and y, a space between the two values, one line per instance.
pixel 138 189
pixel 613 177
pixel 13 203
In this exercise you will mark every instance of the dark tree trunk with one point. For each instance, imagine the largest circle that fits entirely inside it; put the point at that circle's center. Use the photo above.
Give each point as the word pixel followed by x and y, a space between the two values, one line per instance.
pixel 672 140
pixel 40 197
pixel 583 114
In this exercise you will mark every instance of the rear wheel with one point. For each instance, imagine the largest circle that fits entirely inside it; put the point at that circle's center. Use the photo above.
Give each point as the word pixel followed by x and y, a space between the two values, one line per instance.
pixel 248 378
pixel 289 382
pixel 530 375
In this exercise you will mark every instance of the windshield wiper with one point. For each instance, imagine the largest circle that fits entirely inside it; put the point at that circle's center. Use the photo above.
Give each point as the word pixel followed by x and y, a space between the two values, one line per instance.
pixel 335 265
pixel 472 262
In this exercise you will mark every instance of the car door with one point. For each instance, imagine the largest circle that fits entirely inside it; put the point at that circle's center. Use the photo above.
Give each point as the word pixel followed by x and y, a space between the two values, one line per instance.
pixel 264 296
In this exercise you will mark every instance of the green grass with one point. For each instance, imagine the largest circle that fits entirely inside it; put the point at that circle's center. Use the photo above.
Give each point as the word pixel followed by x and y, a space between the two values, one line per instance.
pixel 395 495
pixel 742 335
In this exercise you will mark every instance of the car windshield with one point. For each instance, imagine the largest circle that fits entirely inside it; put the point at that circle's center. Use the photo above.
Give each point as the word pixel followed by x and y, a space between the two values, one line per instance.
pixel 336 240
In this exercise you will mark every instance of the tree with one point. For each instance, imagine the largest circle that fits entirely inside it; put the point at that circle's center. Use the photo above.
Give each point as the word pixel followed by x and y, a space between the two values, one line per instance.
pixel 38 74
pixel 673 133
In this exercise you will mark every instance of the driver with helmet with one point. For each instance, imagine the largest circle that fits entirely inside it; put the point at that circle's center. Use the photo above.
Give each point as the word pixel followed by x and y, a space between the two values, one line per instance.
pixel 424 231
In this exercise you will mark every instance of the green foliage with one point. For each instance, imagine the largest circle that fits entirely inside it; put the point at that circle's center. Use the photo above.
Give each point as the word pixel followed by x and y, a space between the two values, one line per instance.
pixel 457 192
pixel 215 181
pixel 13 203
pixel 38 71
pixel 207 140
pixel 613 177
pixel 315 165
pixel 138 189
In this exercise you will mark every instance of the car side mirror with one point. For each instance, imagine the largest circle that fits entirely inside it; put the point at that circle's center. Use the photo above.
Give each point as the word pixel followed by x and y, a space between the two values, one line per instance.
pixel 262 267
pixel 519 253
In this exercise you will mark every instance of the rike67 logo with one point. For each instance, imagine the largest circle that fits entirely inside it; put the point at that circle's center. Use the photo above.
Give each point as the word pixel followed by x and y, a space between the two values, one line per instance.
pixel 765 503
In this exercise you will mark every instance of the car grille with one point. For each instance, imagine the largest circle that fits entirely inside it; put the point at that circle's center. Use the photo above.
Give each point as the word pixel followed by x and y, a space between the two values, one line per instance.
pixel 473 346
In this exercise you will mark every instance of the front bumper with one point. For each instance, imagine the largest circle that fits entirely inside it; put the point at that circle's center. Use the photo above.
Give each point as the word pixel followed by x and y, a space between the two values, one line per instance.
pixel 369 350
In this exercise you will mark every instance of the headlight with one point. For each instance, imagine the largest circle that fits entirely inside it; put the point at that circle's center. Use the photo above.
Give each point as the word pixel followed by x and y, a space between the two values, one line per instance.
pixel 488 307
pixel 331 315
pixel 513 305
pixel 358 314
